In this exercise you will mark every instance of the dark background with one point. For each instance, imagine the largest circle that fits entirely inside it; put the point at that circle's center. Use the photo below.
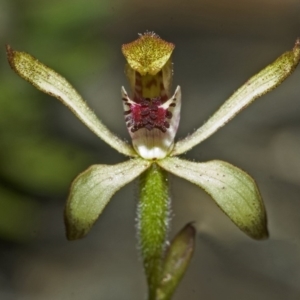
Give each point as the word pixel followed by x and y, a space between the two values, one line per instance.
pixel 219 45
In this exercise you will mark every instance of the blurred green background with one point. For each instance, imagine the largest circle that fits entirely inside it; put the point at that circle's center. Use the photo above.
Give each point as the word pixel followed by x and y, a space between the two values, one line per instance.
pixel 219 45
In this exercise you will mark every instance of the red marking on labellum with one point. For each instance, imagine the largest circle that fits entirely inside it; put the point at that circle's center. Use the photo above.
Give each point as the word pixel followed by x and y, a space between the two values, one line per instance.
pixel 147 113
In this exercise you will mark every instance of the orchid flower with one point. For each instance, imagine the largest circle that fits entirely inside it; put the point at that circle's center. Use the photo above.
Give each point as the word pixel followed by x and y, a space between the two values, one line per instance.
pixel 152 115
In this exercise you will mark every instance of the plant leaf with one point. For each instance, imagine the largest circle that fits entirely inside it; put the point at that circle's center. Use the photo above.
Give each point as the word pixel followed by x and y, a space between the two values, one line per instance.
pixel 91 191
pixel 51 83
pixel 176 261
pixel 263 82
pixel 234 191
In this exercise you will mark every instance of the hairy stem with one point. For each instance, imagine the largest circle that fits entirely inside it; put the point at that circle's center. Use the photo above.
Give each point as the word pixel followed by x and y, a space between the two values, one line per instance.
pixel 153 222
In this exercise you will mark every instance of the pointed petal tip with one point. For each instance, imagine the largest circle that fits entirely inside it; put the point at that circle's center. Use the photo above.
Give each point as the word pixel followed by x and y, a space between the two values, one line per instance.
pixel 10 55
pixel 74 235
pixel 261 235
pixel 297 45
pixel 265 235
pixel 296 51
pixel 8 49
pixel 72 231
pixel 258 230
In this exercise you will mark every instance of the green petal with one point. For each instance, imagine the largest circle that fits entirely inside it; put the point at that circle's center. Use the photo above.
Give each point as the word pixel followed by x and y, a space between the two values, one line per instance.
pixel 51 83
pixel 234 191
pixel 176 261
pixel 263 82
pixel 91 191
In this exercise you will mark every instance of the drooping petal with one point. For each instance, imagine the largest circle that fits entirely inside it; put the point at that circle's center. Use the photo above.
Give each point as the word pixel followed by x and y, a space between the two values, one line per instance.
pixel 92 190
pixel 152 125
pixel 234 191
pixel 51 83
pixel 263 82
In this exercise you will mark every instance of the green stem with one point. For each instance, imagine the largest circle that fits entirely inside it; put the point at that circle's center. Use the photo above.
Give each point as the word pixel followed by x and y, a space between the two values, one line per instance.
pixel 153 222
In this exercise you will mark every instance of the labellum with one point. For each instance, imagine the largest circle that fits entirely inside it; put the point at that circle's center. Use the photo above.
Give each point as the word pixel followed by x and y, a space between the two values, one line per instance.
pixel 151 114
